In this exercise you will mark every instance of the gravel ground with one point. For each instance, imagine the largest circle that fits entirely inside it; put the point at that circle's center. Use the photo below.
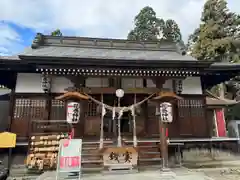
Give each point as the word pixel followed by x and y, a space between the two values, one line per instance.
pixel 219 165
pixel 199 165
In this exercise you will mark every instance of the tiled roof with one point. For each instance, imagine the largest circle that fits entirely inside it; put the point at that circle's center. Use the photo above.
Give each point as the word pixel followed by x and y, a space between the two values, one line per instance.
pixel 213 100
pixel 9 58
pixel 218 102
pixel 98 48
pixel 104 53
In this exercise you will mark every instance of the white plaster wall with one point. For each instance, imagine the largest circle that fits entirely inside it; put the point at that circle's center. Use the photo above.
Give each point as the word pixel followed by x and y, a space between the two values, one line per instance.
pixel 167 85
pixel 97 82
pixel 192 85
pixel 150 83
pixel 59 84
pixel 132 83
pixel 29 83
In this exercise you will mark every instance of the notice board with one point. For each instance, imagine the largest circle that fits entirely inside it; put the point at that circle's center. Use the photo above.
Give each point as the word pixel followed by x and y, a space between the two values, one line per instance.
pixel 69 158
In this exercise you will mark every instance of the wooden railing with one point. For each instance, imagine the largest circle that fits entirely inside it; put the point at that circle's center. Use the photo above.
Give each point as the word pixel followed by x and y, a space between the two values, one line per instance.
pixel 52 126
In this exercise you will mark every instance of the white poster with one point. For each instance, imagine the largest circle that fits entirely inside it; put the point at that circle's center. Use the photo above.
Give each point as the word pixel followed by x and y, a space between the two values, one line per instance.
pixel 166 112
pixel 69 158
pixel 73 112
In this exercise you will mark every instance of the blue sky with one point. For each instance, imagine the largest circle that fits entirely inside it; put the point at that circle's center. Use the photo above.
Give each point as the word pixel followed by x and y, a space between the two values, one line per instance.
pixel 21 19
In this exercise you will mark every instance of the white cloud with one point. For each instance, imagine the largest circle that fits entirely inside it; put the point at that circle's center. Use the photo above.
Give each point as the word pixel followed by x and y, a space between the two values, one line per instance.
pixel 108 18
pixel 9 39
pixel 97 18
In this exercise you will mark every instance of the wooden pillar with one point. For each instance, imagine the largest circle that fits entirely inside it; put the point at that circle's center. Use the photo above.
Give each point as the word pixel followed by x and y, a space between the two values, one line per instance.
pixel 163 143
pixel 162 130
pixel 11 115
pixel 11 108
pixel 81 124
pixel 49 101
pixel 209 122
pixel 145 109
pixel 79 83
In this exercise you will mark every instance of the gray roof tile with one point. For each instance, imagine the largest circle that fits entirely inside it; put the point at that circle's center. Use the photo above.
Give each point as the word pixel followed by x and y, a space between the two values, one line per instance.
pixel 10 58
pixel 105 53
pixel 100 48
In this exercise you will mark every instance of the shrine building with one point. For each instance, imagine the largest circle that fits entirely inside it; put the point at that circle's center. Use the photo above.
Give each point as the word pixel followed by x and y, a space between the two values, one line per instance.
pixel 46 79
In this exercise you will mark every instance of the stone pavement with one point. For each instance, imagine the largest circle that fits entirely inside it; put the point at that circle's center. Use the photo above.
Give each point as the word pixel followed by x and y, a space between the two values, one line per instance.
pixel 171 175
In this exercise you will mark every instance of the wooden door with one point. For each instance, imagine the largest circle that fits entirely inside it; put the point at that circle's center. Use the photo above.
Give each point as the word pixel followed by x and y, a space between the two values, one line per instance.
pixel 184 118
pixel 192 119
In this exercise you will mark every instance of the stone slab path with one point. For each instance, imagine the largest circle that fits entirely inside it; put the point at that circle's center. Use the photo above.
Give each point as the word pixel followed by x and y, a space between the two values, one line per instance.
pixel 171 175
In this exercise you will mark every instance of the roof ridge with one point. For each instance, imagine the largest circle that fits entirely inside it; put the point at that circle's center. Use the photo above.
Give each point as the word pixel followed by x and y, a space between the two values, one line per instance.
pixel 65 41
pixel 219 98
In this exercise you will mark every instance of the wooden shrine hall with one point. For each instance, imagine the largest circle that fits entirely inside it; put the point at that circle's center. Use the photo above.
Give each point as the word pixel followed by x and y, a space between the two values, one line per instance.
pixel 116 93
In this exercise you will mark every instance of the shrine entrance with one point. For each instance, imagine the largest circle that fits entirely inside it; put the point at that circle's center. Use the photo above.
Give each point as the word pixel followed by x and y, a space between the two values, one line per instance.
pixel 110 124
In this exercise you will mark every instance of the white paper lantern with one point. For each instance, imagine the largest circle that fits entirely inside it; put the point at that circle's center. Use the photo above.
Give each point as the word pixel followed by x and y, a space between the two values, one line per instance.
pixel 73 112
pixel 166 112
pixel 119 93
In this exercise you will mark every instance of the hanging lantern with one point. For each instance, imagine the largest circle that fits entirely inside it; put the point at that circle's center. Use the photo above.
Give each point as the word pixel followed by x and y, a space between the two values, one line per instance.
pixel 45 83
pixel 179 86
pixel 73 112
pixel 165 111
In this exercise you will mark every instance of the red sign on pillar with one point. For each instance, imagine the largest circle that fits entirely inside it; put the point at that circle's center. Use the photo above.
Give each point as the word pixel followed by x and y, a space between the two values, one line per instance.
pixel 166 131
pixel 221 125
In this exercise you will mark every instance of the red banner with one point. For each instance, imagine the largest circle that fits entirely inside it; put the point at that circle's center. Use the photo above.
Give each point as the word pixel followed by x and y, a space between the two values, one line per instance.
pixel 221 125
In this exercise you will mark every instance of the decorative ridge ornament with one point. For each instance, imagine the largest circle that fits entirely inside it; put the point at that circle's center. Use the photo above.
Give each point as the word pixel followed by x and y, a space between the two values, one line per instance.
pixel 38 41
pixel 167 95
pixel 69 95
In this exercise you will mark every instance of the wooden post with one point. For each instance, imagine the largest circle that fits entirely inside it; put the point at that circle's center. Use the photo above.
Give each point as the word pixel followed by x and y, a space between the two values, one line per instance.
pixel 114 125
pixel 49 101
pixel 119 139
pixel 134 125
pixel 101 129
pixel 163 144
pixel 11 116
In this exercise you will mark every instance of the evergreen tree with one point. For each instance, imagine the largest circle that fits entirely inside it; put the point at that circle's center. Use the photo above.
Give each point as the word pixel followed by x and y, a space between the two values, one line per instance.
pixel 171 31
pixel 57 32
pixel 215 38
pixel 149 27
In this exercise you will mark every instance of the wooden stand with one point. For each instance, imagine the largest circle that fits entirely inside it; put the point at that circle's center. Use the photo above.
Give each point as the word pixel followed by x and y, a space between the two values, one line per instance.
pixel 43 151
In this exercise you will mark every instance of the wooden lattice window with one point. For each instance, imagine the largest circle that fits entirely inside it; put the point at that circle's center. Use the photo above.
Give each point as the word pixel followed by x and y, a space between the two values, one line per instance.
pixel 92 109
pixel 32 109
pixel 190 108
pixel 58 110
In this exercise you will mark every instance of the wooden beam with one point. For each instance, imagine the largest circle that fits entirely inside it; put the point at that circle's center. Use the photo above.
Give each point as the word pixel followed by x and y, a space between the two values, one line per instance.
pixel 111 90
